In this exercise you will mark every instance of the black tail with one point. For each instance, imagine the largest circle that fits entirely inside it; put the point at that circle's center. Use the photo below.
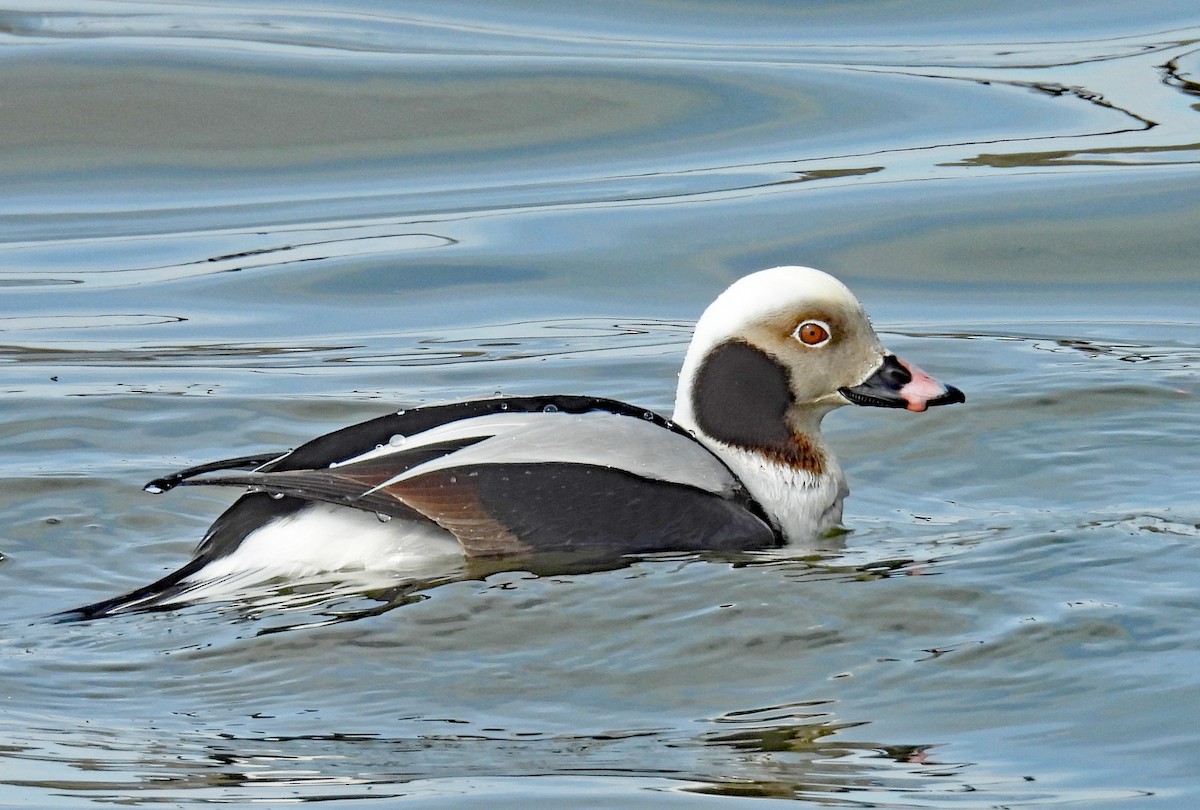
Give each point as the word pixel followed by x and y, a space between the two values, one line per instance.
pixel 248 513
pixel 155 596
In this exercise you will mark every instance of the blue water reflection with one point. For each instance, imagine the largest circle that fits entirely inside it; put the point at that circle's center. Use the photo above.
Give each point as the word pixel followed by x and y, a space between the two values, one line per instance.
pixel 226 228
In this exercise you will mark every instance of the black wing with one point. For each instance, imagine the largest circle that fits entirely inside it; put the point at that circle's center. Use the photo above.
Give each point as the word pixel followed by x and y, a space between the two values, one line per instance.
pixel 502 508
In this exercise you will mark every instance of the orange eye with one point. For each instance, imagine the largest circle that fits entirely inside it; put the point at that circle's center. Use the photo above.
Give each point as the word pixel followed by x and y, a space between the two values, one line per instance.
pixel 812 333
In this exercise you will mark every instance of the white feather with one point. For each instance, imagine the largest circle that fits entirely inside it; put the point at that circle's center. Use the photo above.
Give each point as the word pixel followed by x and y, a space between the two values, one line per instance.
pixel 322 537
pixel 802 505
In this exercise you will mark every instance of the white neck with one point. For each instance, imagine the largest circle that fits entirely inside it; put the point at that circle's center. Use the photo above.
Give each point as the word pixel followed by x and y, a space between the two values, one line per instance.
pixel 801 505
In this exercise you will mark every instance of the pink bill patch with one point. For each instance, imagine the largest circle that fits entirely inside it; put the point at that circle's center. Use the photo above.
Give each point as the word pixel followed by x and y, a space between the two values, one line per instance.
pixel 920 389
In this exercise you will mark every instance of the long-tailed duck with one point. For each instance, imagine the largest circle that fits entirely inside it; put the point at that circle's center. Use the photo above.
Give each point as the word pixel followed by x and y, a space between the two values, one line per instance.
pixel 741 465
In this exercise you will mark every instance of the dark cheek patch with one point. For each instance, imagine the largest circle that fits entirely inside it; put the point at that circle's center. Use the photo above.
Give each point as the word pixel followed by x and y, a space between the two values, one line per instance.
pixel 741 397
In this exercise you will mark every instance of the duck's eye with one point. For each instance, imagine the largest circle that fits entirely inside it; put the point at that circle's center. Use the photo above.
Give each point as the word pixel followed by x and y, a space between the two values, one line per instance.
pixel 812 333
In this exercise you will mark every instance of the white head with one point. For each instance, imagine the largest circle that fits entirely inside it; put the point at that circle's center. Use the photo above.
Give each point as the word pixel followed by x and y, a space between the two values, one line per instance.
pixel 770 357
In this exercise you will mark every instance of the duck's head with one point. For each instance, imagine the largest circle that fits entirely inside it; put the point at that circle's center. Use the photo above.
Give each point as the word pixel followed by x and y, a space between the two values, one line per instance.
pixel 781 348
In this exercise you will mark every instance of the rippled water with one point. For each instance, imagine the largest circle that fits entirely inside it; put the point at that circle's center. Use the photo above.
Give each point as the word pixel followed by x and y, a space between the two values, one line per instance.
pixel 231 228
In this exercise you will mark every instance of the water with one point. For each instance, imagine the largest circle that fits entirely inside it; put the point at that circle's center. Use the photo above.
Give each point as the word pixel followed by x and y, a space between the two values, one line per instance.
pixel 227 229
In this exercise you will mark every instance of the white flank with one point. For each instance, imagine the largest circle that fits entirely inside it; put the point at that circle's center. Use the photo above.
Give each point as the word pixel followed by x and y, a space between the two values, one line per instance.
pixel 324 538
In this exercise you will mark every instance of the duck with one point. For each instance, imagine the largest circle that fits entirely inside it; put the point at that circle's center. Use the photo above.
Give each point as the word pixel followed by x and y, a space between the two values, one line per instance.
pixel 740 465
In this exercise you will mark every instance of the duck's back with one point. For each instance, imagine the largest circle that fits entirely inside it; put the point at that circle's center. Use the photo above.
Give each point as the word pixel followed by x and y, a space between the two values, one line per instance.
pixel 500 476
